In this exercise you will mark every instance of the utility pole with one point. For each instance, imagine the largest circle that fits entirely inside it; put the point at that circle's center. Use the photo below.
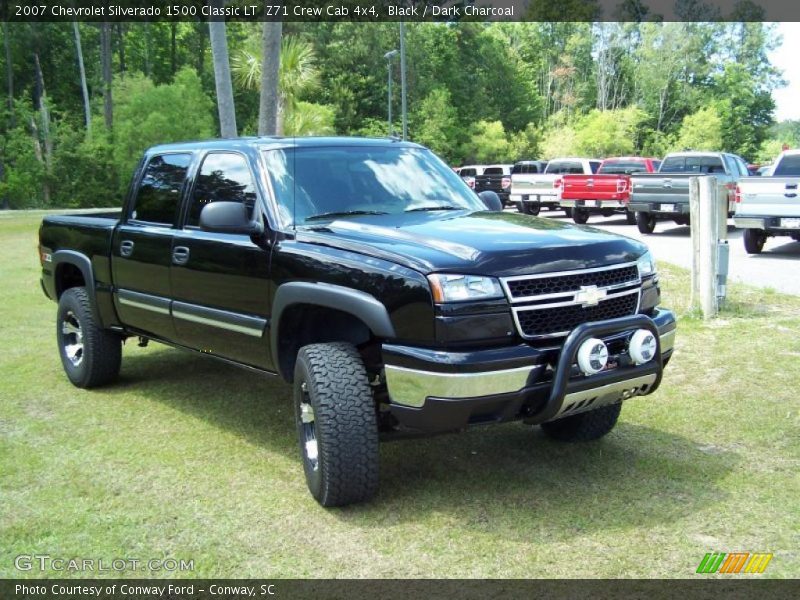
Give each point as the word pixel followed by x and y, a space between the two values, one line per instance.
pixel 403 78
pixel 389 56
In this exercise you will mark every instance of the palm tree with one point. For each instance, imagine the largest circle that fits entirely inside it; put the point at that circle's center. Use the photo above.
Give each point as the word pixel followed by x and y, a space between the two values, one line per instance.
pixel 222 75
pixel 297 74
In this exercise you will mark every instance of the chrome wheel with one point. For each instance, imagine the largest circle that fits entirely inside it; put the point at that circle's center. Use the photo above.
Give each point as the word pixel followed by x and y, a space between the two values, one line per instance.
pixel 72 338
pixel 309 432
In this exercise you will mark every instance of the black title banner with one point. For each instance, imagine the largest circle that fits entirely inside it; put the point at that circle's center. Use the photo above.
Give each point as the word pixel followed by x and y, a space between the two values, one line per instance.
pixel 397 10
pixel 388 589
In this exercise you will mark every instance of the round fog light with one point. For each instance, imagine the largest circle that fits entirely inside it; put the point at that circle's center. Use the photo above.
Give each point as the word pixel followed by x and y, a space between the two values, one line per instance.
pixel 642 346
pixel 592 356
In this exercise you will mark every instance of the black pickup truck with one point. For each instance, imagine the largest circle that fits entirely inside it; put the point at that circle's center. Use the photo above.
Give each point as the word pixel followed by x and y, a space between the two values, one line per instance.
pixel 371 278
pixel 497 179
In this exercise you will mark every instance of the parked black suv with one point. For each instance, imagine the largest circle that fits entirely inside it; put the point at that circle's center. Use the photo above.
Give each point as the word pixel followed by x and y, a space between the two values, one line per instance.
pixel 368 275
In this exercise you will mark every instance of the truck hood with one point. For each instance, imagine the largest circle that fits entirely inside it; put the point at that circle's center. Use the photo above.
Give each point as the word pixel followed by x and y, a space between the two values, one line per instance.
pixel 485 243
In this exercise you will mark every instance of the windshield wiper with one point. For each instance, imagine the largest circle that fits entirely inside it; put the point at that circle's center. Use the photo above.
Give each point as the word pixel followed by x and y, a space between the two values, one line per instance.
pixel 439 207
pixel 345 213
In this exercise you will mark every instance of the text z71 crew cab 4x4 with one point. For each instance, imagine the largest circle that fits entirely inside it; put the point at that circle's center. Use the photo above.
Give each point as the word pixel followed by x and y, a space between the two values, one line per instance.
pixel 368 275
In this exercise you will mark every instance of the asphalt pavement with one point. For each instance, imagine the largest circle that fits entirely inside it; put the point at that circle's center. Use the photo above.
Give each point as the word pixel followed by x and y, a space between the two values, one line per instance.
pixel 777 267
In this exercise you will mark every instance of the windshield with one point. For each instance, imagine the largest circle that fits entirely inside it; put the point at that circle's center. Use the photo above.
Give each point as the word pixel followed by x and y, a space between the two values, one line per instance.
pixel 313 185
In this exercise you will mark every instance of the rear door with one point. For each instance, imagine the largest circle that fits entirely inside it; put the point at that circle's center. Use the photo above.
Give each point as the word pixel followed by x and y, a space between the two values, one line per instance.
pixel 220 281
pixel 142 245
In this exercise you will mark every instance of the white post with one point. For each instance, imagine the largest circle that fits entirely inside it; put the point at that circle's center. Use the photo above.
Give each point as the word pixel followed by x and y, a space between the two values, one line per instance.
pixel 705 227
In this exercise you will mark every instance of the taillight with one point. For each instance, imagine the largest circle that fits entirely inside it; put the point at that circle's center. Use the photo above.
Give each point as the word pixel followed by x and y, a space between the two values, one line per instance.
pixel 737 195
pixel 622 185
pixel 557 183
pixel 505 182
pixel 470 181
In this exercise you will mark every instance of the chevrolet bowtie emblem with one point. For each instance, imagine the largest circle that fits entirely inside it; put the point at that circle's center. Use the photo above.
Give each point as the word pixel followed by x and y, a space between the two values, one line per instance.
pixel 590 295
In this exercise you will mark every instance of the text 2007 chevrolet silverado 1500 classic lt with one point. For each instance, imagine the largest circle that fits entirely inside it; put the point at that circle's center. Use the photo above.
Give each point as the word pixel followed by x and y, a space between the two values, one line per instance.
pixel 368 275
pixel 665 195
pixel 770 206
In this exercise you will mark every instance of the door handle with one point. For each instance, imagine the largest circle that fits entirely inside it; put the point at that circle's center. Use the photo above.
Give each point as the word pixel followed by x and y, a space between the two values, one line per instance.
pixel 180 255
pixel 126 248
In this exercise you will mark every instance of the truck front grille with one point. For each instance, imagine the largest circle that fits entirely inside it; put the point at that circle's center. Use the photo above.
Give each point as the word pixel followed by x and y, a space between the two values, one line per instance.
pixel 530 287
pixel 553 304
pixel 561 320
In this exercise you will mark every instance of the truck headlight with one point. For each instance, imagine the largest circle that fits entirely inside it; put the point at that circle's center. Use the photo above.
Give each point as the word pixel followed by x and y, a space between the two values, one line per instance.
pixel 646 265
pixel 457 288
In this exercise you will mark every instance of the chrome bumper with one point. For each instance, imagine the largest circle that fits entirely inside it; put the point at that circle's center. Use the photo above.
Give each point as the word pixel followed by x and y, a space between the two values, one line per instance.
pixel 412 387
pixel 593 204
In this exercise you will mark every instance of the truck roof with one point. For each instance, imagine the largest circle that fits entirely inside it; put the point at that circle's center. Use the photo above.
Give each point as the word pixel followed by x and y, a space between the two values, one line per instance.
pixel 276 141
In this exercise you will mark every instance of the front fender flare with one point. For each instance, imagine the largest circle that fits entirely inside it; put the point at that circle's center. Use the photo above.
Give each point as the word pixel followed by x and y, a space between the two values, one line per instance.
pixel 357 303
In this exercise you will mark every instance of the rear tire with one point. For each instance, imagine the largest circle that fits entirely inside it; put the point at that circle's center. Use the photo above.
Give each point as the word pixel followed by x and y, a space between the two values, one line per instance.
pixel 91 356
pixel 580 215
pixel 645 222
pixel 568 212
pixel 607 212
pixel 754 240
pixel 630 218
pixel 584 427
pixel 336 424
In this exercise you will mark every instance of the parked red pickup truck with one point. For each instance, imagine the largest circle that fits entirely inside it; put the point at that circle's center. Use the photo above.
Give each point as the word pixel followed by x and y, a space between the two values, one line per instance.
pixel 605 192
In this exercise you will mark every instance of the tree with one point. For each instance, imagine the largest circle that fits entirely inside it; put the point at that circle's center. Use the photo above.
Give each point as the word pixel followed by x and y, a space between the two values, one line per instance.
pixel 105 60
pixel 700 131
pixel 222 74
pixel 608 133
pixel 434 124
pixel 270 73
pixel 297 76
pixel 87 109
pixel 488 143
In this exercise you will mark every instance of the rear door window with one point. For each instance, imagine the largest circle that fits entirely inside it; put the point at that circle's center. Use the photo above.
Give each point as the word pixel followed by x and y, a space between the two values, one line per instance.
pixel 159 194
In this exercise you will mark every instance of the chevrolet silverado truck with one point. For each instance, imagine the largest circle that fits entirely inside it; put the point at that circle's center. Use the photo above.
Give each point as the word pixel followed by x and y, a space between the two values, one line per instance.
pixel 367 275
pixel 606 192
pixel 533 192
pixel 769 206
pixel 665 195
pixel 495 178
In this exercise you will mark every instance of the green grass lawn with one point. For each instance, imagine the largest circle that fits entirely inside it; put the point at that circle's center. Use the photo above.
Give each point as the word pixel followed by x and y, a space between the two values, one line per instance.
pixel 191 459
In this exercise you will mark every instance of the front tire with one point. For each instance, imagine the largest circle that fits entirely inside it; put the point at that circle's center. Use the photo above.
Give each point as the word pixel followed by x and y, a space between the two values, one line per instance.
pixel 584 427
pixel 580 215
pixel 336 424
pixel 91 356
pixel 645 222
pixel 754 240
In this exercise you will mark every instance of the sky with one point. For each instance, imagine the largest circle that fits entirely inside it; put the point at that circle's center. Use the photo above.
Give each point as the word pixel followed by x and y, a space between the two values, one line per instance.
pixel 787 58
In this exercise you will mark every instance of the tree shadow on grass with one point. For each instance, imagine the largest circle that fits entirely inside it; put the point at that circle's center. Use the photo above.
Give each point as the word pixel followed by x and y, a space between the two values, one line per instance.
pixel 501 479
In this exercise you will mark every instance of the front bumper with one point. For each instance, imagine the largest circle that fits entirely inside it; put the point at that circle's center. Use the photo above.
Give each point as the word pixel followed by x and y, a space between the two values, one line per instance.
pixel 435 391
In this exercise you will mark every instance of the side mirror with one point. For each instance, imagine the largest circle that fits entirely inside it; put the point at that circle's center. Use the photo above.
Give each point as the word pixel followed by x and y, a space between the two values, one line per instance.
pixel 228 217
pixel 491 200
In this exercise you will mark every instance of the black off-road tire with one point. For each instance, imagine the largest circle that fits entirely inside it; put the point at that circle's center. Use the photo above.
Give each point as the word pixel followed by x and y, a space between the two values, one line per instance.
pixel 607 212
pixel 645 222
pixel 580 215
pixel 332 380
pixel 100 356
pixel 584 427
pixel 534 208
pixel 754 240
pixel 630 217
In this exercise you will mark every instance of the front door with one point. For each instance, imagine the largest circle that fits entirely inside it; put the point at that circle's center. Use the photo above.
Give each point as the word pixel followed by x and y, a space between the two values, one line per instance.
pixel 220 281
pixel 142 247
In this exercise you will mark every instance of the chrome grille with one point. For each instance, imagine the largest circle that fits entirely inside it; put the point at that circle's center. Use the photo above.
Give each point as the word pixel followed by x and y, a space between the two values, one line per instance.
pixel 553 304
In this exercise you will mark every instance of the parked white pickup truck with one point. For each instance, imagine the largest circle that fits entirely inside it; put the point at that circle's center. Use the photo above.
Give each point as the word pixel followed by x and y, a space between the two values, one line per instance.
pixel 770 206
pixel 531 192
